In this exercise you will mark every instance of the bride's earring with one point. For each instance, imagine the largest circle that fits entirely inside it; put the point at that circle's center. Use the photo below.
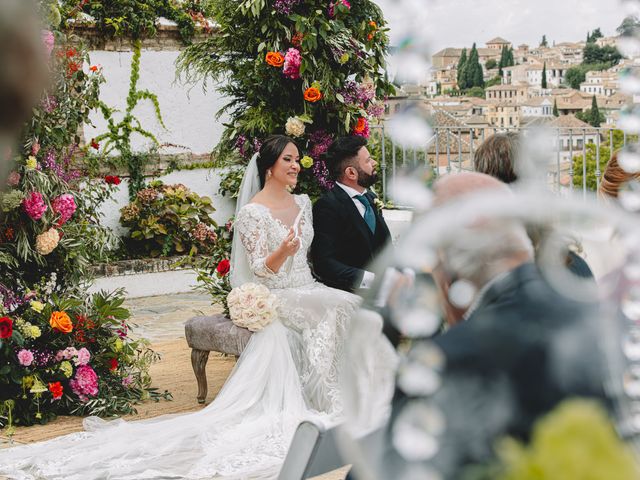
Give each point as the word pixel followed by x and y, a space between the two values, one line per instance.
pixel 268 173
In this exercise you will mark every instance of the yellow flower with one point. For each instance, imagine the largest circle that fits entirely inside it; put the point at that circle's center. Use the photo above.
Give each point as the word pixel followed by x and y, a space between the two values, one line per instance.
pixel 35 332
pixel 117 345
pixel 306 161
pixel 66 368
pixel 27 381
pixel 344 58
pixel 37 306
pixel 32 163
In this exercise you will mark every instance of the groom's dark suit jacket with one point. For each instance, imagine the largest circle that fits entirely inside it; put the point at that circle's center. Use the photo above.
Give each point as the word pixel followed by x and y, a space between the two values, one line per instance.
pixel 343 245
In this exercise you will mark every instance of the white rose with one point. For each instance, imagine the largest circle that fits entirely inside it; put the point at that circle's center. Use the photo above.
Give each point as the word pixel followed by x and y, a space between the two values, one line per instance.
pixel 294 127
pixel 252 306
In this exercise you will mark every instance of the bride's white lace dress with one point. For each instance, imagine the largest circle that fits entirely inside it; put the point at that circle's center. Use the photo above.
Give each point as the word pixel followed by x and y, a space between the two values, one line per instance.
pixel 291 370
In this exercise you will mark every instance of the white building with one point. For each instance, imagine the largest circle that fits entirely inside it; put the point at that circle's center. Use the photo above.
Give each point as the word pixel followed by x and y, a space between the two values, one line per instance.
pixel 537 107
pixel 603 83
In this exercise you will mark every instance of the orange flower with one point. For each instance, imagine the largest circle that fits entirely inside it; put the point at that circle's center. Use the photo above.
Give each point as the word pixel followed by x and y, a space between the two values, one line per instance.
pixel 275 59
pixel 373 24
pixel 312 94
pixel 60 321
pixel 94 68
pixel 370 37
pixel 360 126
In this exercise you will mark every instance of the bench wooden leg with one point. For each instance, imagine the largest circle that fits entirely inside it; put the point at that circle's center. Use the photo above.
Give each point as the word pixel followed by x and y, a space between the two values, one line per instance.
pixel 199 362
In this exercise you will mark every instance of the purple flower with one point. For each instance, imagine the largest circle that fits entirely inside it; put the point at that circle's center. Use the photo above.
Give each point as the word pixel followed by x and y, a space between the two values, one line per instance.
pixel 239 145
pixel 285 7
pixel 320 141
pixel 49 103
pixel 321 172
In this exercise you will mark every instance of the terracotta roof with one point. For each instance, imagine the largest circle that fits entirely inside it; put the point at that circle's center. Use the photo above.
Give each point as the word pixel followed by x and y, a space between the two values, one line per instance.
pixel 498 40
pixel 537 101
pixel 476 120
pixel 571 122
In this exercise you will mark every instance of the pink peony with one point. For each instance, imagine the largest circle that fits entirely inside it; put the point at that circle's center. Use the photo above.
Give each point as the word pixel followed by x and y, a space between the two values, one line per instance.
pixel 292 61
pixel 64 206
pixel 48 40
pixel 83 357
pixel 13 179
pixel 25 357
pixel 85 382
pixel 34 205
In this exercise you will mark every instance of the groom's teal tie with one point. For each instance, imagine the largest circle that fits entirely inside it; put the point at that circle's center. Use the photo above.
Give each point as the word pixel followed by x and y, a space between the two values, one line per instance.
pixel 369 216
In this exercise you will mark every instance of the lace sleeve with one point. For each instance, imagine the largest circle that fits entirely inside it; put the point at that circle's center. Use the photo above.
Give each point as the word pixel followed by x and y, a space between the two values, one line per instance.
pixel 251 226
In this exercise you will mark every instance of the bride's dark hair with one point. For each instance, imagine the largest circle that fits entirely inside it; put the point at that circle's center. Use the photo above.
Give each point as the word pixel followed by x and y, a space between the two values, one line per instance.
pixel 270 152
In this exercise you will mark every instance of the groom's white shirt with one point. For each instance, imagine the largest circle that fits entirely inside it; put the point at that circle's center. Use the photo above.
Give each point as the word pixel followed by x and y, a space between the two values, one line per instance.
pixel 369 277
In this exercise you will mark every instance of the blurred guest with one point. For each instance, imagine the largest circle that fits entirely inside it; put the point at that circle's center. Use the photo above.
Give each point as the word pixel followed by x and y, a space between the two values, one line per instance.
pixel 497 156
pixel 23 71
pixel 523 346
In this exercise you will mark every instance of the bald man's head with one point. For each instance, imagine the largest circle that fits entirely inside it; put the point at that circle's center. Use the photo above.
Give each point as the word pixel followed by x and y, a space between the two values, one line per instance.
pixel 453 186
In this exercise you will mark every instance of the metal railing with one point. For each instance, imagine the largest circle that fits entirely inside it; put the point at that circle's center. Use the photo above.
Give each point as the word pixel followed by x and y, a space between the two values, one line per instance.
pixel 451 150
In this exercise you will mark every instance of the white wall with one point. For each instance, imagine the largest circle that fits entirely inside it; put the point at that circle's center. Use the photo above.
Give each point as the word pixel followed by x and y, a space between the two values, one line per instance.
pixel 187 111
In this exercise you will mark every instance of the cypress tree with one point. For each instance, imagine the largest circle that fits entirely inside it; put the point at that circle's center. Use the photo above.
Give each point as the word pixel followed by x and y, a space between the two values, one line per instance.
pixel 556 113
pixel 544 76
pixel 462 64
pixel 473 71
pixel 594 118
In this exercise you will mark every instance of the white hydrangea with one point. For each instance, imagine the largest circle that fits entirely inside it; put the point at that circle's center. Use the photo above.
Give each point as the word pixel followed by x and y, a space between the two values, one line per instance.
pixel 294 127
pixel 252 306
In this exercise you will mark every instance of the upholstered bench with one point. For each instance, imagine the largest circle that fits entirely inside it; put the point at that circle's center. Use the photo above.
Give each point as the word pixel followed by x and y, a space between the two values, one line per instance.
pixel 214 333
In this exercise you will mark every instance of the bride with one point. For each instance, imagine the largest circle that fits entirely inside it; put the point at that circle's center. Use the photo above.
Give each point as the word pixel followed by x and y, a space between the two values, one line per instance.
pixel 292 370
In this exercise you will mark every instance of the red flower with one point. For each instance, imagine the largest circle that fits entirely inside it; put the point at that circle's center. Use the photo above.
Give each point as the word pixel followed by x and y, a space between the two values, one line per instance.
pixel 94 68
pixel 113 364
pixel 94 144
pixel 223 267
pixel 56 390
pixel 9 234
pixel 71 52
pixel 112 179
pixel 6 327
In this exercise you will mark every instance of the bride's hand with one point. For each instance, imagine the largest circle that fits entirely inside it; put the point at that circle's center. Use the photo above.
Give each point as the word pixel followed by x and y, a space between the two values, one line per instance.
pixel 290 245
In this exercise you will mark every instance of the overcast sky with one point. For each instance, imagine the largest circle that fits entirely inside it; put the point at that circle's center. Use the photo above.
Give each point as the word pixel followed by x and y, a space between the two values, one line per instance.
pixel 458 23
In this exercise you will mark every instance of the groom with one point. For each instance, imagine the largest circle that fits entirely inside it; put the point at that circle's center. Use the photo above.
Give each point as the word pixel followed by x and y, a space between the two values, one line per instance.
pixel 349 230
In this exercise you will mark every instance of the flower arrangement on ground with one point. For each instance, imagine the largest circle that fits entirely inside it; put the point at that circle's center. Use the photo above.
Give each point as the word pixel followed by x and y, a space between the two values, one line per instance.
pixel 313 69
pixel 169 219
pixel 65 356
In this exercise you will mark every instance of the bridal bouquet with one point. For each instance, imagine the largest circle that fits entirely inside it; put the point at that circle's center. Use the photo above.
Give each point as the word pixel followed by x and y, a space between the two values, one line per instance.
pixel 252 306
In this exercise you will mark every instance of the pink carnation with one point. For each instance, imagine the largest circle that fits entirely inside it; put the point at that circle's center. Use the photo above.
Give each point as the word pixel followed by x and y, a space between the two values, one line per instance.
pixel 292 61
pixel 332 6
pixel 66 354
pixel 34 205
pixel 64 206
pixel 25 357
pixel 48 40
pixel 85 382
pixel 13 179
pixel 83 357
pixel 127 381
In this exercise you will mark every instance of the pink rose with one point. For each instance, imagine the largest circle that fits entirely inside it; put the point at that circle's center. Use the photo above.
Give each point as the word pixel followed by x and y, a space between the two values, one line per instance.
pixel 25 357
pixel 13 179
pixel 83 357
pixel 34 205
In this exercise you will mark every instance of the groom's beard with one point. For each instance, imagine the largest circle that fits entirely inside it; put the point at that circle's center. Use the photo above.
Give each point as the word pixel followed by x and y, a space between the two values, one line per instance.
pixel 365 180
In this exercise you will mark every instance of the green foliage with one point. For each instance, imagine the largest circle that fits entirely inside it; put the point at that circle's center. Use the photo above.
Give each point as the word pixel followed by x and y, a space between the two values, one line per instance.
pixel 475 92
pixel 472 72
pixel 577 74
pixel 629 26
pixel 593 36
pixel 99 324
pixel 544 42
pixel 491 64
pixel 556 113
pixel 118 136
pixel 461 75
pixel 261 98
pixel 605 154
pixel 544 76
pixel 608 54
pixel 137 18
pixel 166 220
pixel 497 80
